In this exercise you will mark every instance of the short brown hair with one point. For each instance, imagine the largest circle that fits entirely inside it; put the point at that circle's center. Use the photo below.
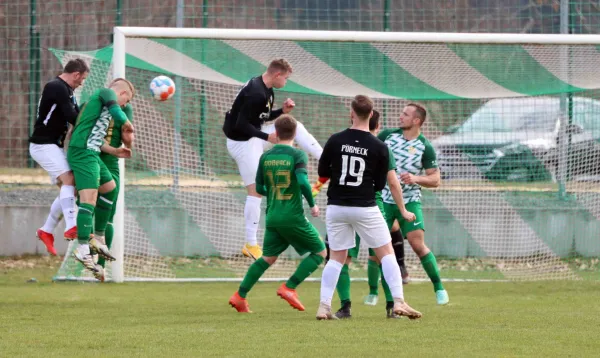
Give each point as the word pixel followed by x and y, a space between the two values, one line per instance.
pixel 76 65
pixel 285 126
pixel 374 121
pixel 420 111
pixel 279 65
pixel 362 106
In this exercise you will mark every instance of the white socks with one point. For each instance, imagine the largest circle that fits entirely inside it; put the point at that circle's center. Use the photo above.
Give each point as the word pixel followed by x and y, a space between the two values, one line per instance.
pixel 307 142
pixel 391 272
pixel 53 216
pixel 67 203
pixel 252 216
pixel 331 274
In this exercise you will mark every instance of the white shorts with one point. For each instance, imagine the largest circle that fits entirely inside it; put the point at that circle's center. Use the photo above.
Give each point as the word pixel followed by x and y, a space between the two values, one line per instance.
pixel 343 222
pixel 50 157
pixel 247 154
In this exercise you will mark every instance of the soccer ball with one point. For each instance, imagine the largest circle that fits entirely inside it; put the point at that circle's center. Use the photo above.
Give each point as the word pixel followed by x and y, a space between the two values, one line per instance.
pixel 162 88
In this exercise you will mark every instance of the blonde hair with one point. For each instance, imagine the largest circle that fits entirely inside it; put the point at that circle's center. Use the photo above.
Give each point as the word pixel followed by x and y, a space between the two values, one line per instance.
pixel 116 81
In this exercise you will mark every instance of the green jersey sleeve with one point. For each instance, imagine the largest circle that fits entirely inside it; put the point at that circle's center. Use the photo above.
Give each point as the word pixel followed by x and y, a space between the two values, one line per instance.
pixel 128 110
pixel 429 158
pixel 391 161
pixel 300 161
pixel 259 180
pixel 108 98
pixel 384 134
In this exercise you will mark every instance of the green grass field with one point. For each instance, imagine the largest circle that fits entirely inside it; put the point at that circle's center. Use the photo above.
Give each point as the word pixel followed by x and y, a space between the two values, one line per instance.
pixel 193 319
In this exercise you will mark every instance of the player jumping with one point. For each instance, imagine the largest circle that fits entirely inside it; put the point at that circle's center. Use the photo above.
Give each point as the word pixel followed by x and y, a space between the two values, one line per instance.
pixel 414 153
pixel 283 179
pixel 110 155
pixel 56 110
pixel 358 165
pixel 248 136
pixel 93 180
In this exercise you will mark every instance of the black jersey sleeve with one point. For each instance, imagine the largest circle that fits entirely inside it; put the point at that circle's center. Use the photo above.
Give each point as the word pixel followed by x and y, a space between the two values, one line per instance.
pixel 276 113
pixel 252 108
pixel 380 175
pixel 63 100
pixel 324 169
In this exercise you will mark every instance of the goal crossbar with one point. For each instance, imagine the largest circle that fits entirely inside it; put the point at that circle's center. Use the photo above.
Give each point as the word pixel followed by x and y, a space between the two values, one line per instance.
pixel 356 36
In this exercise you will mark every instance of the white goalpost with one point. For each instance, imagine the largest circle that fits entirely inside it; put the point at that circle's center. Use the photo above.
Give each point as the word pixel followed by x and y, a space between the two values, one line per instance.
pixel 180 208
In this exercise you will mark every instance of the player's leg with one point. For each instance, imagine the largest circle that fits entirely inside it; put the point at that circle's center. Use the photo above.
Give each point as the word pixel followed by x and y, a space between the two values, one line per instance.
pixel 341 238
pixel 343 284
pixel 303 238
pixel 373 279
pixel 67 203
pixel 398 243
pixel 247 155
pixel 104 205
pixel 45 233
pixel 274 245
pixel 52 159
pixel 415 234
pixel 87 177
pixel 110 232
pixel 305 140
pixel 372 228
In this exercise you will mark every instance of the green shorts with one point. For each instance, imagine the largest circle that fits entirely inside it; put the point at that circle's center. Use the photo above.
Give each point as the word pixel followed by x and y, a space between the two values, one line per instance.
pixel 303 238
pixel 392 212
pixel 88 169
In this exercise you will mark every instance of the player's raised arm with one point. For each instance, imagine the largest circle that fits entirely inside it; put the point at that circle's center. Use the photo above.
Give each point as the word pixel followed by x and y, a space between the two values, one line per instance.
pixel 251 109
pixel 118 95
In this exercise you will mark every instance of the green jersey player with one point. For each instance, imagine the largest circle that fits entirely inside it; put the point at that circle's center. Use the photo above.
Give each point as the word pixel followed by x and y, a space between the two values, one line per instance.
pixel 93 180
pixel 283 179
pixel 115 137
pixel 414 154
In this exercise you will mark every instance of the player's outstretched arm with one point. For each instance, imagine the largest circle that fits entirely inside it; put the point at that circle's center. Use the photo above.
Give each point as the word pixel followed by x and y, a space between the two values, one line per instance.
pixel 396 191
pixel 305 188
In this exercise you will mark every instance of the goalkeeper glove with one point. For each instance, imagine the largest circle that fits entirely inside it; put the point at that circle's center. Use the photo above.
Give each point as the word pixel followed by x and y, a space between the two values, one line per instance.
pixel 318 185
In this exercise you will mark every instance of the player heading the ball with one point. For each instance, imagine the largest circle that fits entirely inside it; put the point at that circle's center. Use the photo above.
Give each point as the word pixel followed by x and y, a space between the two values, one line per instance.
pixel 248 136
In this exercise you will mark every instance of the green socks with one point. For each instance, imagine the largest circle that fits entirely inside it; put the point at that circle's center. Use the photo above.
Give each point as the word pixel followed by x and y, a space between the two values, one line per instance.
pixel 104 206
pixel 306 267
pixel 343 285
pixel 84 222
pixel 373 275
pixel 254 272
pixel 110 232
pixel 431 268
pixel 386 288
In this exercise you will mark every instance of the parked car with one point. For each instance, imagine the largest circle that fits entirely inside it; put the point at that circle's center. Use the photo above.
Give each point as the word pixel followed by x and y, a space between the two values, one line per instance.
pixel 517 139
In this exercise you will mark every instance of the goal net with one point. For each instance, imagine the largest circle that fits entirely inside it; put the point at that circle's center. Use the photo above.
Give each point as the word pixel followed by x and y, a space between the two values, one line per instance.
pixel 514 119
